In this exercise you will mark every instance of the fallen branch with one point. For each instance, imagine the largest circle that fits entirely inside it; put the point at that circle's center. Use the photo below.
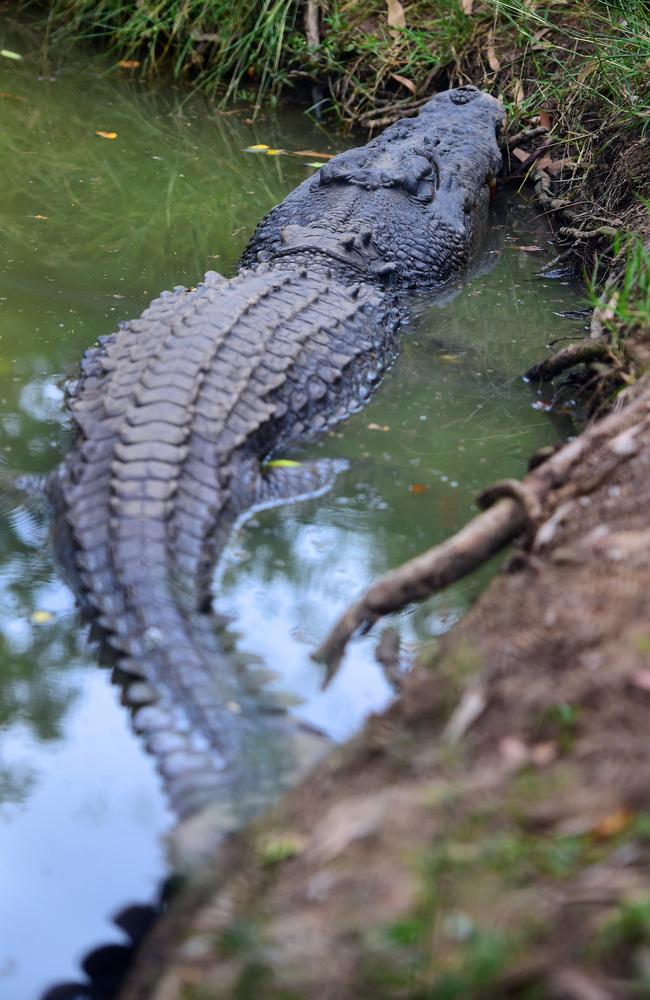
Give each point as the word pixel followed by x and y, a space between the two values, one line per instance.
pixel 525 135
pixel 514 507
pixel 568 357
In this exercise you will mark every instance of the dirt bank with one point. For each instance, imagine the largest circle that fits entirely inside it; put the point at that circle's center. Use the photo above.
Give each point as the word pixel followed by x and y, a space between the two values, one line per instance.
pixel 489 836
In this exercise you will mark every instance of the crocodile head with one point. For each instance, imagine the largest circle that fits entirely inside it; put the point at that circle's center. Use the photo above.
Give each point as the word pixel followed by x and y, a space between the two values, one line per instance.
pixel 408 207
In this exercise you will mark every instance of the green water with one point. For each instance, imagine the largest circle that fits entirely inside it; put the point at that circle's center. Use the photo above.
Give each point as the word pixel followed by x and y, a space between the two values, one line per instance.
pixel 90 230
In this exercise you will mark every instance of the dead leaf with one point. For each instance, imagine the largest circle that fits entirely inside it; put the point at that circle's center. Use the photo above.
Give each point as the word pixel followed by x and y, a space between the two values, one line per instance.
pixel 396 16
pixel 518 95
pixel 106 135
pixel 378 427
pixel 274 152
pixel 467 6
pixel 543 753
pixel 259 147
pixel 129 63
pixel 404 81
pixel 513 750
pixel 545 119
pixel 612 825
pixel 311 154
pixel 641 679
pixel 520 154
pixel 490 52
pixel 418 488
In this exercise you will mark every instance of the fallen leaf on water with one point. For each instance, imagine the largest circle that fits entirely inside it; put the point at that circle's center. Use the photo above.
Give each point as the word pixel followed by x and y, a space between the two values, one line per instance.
pixel 418 488
pixel 530 249
pixel 106 135
pixel 8 54
pixel 612 825
pixel 274 152
pixel 14 97
pixel 396 16
pixel 40 617
pixel 40 217
pixel 282 463
pixel 129 63
pixel 312 152
pixel 378 427
pixel 259 147
pixel 404 81
pixel 449 359
pixel 314 163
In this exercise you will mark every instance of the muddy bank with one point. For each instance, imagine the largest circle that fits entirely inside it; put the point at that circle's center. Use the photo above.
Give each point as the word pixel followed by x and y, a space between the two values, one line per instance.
pixel 489 835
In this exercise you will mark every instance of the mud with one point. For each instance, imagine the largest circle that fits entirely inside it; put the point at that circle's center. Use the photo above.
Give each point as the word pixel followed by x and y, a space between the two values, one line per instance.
pixel 489 835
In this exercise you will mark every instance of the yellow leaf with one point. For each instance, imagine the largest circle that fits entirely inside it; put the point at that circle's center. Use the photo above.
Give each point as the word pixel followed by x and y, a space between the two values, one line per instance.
pixel 257 148
pixel 613 824
pixel 40 617
pixel 282 463
pixel 274 152
pixel 396 17
pixel 106 135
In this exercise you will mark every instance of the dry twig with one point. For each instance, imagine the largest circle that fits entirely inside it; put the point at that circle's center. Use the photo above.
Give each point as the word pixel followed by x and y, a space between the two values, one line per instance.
pixel 515 506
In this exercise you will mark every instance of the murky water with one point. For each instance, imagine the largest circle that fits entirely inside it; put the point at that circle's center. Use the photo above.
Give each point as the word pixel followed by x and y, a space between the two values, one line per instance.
pixel 90 229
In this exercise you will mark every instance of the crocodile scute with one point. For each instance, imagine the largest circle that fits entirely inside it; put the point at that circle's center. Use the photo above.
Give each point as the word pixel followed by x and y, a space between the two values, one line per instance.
pixel 178 411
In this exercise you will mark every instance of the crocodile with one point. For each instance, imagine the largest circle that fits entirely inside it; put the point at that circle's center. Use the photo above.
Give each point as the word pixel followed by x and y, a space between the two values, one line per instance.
pixel 179 413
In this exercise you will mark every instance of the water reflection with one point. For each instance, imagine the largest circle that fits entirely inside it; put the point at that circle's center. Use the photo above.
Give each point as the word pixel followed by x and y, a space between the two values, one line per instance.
pixel 91 230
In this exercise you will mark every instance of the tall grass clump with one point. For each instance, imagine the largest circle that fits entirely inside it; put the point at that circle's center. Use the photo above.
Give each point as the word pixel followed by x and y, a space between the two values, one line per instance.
pixel 220 45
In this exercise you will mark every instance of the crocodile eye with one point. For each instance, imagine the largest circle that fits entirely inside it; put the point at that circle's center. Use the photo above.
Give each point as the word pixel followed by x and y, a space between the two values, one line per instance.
pixel 426 190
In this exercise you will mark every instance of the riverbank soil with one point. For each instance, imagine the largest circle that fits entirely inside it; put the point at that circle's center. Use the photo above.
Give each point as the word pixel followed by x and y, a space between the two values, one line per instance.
pixel 489 835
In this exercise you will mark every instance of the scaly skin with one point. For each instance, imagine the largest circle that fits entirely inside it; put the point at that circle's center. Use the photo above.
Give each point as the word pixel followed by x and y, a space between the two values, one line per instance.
pixel 178 410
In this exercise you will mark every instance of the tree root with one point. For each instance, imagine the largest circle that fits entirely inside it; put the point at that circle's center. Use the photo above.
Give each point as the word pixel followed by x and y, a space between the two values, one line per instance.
pixel 514 506
pixel 568 357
